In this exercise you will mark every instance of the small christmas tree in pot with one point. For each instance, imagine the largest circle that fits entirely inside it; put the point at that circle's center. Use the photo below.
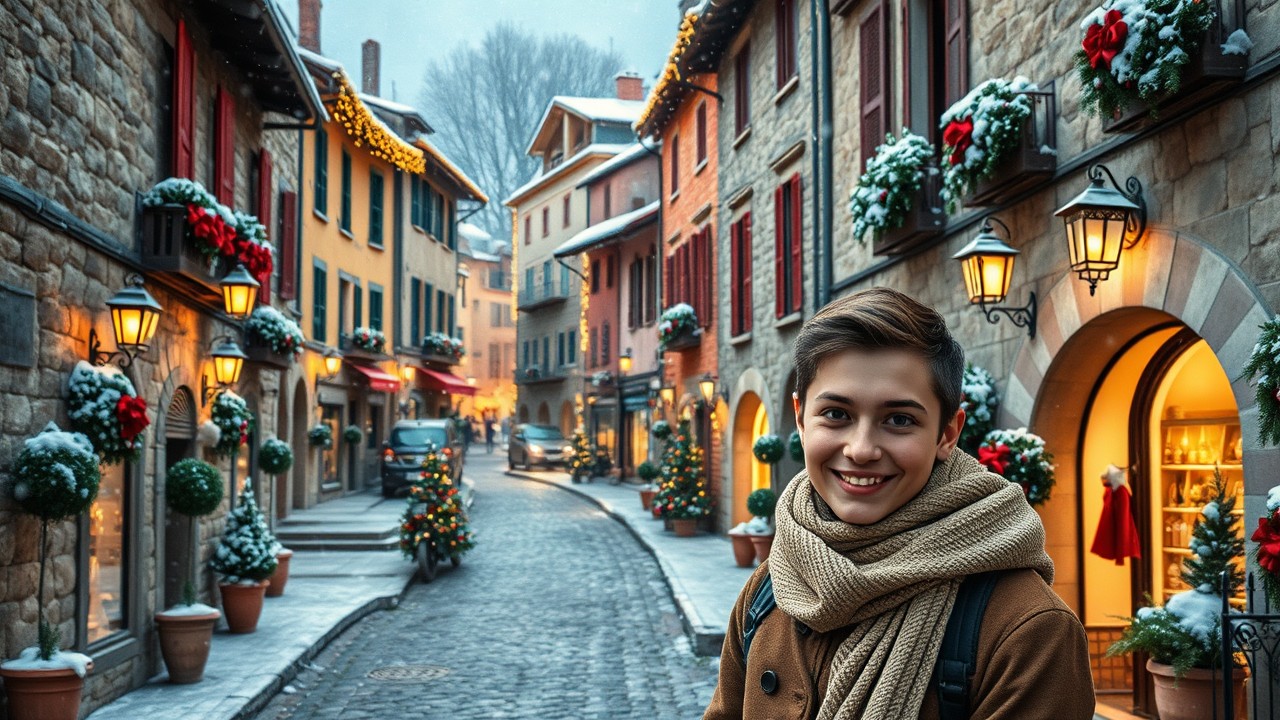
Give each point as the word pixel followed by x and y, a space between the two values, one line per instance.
pixel 275 457
pixel 245 559
pixel 55 477
pixel 1183 637
pixel 434 526
pixel 683 494
pixel 192 488
pixel 583 460
pixel 648 472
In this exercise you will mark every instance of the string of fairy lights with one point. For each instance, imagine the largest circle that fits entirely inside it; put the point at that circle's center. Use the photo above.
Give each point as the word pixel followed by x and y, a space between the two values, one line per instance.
pixel 366 131
pixel 670 73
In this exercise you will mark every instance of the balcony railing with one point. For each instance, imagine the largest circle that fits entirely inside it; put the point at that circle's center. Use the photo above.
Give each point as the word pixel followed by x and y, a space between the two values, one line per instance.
pixel 540 374
pixel 542 294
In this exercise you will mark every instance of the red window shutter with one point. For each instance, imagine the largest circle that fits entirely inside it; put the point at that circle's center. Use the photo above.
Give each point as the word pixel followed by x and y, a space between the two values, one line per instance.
pixel 779 275
pixel 184 104
pixel 747 249
pixel 224 167
pixel 957 54
pixel 708 276
pixel 668 286
pixel 905 9
pixel 263 200
pixel 695 275
pixel 797 245
pixel 873 50
pixel 288 245
pixel 735 287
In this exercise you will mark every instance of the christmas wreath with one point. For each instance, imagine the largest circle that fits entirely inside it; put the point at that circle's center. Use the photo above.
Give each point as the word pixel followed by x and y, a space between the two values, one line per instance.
pixel 980 401
pixel 217 230
pixel 795 446
pixel 979 131
pixel 1020 457
pixel 1267 554
pixel 320 435
pixel 269 328
pixel 104 407
pixel 193 487
pixel 438 343
pixel 234 421
pixel 676 320
pixel 1263 369
pixel 1135 50
pixel 275 456
pixel 368 339
pixel 352 435
pixel 887 189
pixel 768 449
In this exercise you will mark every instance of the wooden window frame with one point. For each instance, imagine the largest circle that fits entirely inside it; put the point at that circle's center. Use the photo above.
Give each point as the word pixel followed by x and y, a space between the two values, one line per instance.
pixel 742 91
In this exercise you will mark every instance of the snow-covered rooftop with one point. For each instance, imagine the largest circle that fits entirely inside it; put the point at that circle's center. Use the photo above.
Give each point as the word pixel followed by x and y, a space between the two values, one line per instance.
pixel 602 109
pixel 619 161
pixel 435 154
pixel 541 177
pixel 608 229
pixel 318 59
pixel 397 108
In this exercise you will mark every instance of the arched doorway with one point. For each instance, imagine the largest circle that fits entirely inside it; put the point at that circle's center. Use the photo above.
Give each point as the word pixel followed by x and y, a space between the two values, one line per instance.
pixel 524 413
pixel 749 422
pixel 179 530
pixel 544 415
pixel 302 453
pixel 568 419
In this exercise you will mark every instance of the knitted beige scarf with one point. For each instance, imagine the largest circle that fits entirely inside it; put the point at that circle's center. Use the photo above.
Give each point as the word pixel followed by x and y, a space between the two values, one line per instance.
pixel 896 580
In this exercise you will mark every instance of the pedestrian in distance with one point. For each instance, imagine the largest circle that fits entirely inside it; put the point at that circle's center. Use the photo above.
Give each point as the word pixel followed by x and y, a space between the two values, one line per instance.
pixel 505 427
pixel 490 432
pixel 887 530
pixel 468 433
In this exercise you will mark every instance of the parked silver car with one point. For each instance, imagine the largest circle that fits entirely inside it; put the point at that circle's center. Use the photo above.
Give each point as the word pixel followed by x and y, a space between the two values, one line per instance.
pixel 538 445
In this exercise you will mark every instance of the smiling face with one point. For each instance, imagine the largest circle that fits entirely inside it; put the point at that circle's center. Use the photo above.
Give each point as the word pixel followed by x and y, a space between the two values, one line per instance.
pixel 870 424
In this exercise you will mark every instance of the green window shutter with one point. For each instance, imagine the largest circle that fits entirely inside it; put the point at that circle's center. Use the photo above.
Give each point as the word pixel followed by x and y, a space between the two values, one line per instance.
pixel 415 311
pixel 452 328
pixel 357 306
pixel 319 291
pixel 375 208
pixel 321 199
pixel 428 214
pixel 345 220
pixel 415 203
pixel 441 309
pixel 427 296
pixel 375 309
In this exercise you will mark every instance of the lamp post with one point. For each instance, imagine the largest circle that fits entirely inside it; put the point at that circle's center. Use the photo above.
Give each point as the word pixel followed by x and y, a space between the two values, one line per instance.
pixel 1102 221
pixel 987 262
pixel 134 318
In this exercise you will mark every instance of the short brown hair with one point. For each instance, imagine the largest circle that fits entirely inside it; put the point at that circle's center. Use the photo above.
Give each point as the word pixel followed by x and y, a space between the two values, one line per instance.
pixel 882 318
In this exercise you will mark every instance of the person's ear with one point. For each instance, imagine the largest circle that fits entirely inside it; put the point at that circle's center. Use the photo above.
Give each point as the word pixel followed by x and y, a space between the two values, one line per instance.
pixel 950 435
pixel 795 405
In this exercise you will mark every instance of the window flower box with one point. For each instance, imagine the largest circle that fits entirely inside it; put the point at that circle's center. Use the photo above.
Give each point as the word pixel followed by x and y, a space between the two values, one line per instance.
pixel 1033 159
pixel 165 249
pixel 923 222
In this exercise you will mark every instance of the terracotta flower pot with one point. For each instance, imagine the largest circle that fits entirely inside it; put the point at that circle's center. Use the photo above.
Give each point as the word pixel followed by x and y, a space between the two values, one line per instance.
pixel 243 605
pixel 684 527
pixel 646 498
pixel 744 551
pixel 43 694
pixel 763 544
pixel 184 643
pixel 1192 696
pixel 281 575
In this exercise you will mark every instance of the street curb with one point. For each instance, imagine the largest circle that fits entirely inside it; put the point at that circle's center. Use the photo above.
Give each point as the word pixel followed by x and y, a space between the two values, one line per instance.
pixel 256 703
pixel 706 640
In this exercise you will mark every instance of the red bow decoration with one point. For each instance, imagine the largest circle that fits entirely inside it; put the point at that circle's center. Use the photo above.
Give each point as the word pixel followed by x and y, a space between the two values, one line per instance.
pixel 959 136
pixel 1268 538
pixel 995 458
pixel 131 412
pixel 1117 536
pixel 211 229
pixel 1103 42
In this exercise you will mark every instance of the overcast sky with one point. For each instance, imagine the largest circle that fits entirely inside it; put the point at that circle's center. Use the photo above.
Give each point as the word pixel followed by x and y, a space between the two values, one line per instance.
pixel 415 32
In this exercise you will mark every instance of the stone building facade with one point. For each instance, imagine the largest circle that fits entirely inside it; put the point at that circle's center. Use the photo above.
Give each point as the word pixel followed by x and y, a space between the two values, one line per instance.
pixel 88 126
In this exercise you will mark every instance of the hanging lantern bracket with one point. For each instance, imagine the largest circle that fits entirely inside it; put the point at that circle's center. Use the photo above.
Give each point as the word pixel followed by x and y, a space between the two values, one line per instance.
pixel 1024 317
pixel 99 357
pixel 1137 221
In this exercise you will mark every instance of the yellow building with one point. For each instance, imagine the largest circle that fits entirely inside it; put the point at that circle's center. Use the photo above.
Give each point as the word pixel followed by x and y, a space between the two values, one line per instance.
pixel 487 323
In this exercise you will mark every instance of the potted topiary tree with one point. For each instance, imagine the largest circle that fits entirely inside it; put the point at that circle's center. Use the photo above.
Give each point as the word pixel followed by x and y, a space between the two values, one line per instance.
pixel 245 559
pixel 761 504
pixel 352 435
pixel 275 457
pixel 1183 637
pixel 648 472
pixel 193 488
pixel 54 478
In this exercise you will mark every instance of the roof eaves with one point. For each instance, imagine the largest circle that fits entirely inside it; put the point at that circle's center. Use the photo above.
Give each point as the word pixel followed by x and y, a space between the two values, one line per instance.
pixel 537 180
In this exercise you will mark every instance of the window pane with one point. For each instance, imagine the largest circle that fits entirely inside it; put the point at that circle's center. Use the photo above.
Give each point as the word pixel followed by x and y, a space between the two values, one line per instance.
pixel 106 555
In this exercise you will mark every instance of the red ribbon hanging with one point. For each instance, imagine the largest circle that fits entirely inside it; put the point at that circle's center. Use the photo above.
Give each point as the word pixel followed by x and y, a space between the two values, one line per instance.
pixel 131 412
pixel 959 136
pixel 995 458
pixel 1103 42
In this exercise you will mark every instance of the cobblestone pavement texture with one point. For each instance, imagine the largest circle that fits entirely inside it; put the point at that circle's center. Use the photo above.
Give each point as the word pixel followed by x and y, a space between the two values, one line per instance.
pixel 557 613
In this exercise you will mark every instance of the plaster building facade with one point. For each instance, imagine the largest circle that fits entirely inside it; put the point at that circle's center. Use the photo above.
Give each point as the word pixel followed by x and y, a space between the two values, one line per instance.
pixel 487 324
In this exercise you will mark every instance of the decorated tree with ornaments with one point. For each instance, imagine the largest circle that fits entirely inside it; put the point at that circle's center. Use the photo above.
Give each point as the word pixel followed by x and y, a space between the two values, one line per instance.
pixel 1263 369
pixel 682 491
pixel 583 459
pixel 434 512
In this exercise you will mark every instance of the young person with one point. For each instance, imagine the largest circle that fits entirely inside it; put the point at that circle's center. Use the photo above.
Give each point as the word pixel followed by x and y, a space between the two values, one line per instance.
pixel 875 536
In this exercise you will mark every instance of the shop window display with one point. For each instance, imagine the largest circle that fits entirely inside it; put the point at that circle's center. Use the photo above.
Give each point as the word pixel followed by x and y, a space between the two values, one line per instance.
pixel 107 571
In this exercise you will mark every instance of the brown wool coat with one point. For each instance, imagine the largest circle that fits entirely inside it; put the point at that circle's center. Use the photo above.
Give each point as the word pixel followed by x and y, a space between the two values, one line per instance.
pixel 1033 661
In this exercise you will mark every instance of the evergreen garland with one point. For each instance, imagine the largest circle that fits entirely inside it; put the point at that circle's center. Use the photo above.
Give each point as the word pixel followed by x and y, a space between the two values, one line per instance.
pixel 682 494
pixel 1020 457
pixel 980 402
pixel 248 549
pixel 231 414
pixel 1263 369
pixel 887 189
pixel 104 407
pixel 1138 50
pixel 434 512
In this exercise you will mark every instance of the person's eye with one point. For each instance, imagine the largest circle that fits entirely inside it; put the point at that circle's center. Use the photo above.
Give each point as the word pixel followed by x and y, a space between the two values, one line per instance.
pixel 834 414
pixel 900 421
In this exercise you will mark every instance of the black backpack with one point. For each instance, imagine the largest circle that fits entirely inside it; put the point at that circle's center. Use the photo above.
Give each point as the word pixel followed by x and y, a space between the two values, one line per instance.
pixel 957 658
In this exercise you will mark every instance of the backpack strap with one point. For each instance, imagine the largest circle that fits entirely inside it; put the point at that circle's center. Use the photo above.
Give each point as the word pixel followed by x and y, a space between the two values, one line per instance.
pixel 958 657
pixel 761 605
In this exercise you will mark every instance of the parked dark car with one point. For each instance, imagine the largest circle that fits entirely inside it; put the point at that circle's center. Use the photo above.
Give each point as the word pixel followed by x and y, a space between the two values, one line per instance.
pixel 538 445
pixel 403 452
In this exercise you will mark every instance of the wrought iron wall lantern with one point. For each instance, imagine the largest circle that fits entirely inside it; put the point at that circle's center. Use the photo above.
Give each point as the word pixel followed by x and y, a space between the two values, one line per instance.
pixel 987 262
pixel 707 386
pixel 239 292
pixel 407 372
pixel 624 362
pixel 228 361
pixel 134 318
pixel 332 364
pixel 668 395
pixel 1101 222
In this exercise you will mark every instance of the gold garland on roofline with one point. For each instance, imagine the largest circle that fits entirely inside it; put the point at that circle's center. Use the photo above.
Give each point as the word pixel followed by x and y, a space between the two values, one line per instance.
pixel 368 132
pixel 670 73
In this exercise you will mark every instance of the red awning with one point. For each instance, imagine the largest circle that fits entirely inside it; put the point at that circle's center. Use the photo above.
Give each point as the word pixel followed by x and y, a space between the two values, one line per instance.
pixel 378 380
pixel 447 382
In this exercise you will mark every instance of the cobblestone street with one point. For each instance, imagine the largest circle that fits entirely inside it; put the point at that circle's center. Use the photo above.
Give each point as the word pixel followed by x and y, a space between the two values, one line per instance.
pixel 557 613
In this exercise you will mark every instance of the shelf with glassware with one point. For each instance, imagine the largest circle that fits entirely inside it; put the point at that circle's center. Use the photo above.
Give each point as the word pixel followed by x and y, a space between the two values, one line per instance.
pixel 1192 448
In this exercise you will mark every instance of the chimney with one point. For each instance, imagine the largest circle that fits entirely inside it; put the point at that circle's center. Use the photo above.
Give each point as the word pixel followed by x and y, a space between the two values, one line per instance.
pixel 370 53
pixel 630 86
pixel 309 25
